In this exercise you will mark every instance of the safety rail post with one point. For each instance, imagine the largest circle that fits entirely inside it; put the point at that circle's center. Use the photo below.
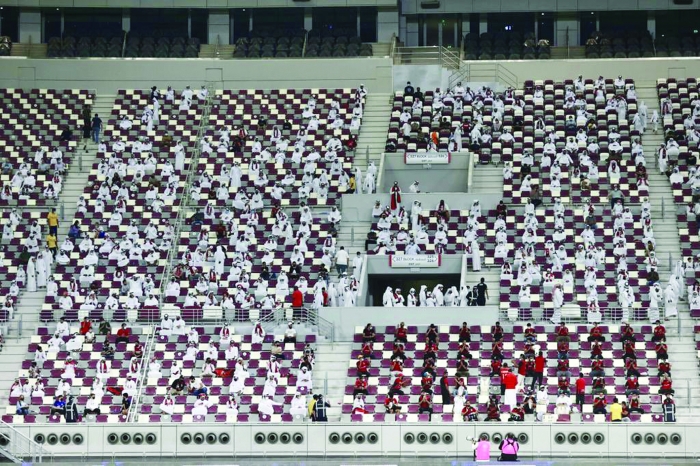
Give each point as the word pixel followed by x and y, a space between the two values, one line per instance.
pixel 568 53
pixel 62 210
pixel 218 44
pixel 392 46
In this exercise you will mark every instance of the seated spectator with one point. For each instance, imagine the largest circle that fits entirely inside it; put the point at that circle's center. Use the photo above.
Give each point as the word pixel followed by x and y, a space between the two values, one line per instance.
pixel 517 414
pixel 123 334
pixel 598 386
pixel 632 386
pixel 401 333
pixel 465 333
pixel 659 332
pixel 493 412
pixel 664 368
pixel 391 405
pixel 425 404
pixel 634 404
pixel 368 333
pixel 599 404
pixel 497 332
pixel 666 386
pixel 563 334
pixel 596 334
pixel 469 413
pixel 529 334
pixel 627 334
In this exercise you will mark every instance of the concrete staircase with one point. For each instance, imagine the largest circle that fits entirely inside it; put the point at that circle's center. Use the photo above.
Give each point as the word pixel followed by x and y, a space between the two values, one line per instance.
pixel 487 179
pixel 13 353
pixel 330 374
pixel 375 125
pixel 567 53
pixel 207 50
pixel 210 51
pixel 681 341
pixel 381 49
pixel 663 211
pixel 370 145
pixel 29 50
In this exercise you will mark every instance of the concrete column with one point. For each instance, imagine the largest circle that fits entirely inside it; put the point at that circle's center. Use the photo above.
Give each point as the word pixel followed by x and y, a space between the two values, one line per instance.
pixel 308 19
pixel 126 19
pixel 402 29
pixel 387 23
pixel 412 26
pixel 466 24
pixel 562 21
pixel 30 25
pixel 483 23
pixel 651 23
pixel 218 26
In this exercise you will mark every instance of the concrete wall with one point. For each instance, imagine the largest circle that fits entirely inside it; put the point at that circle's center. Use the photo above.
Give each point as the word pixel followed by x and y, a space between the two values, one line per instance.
pixel 387 23
pixel 358 207
pixel 346 319
pixel 29 25
pixel 108 75
pixel 218 27
pixel 450 177
pixel 196 3
pixel 510 6
pixel 539 440
pixel 645 70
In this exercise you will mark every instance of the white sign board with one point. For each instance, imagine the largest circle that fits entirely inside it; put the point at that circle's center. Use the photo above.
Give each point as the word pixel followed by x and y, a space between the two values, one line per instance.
pixel 422 158
pixel 408 262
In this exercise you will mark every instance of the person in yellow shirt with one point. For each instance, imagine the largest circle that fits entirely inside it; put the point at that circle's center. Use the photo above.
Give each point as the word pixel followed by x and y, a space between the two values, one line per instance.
pixel 352 185
pixel 312 405
pixel 52 243
pixel 615 411
pixel 52 220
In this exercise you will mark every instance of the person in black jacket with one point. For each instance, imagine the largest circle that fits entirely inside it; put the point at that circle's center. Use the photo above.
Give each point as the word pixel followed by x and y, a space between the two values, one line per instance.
pixel 71 410
pixel 320 414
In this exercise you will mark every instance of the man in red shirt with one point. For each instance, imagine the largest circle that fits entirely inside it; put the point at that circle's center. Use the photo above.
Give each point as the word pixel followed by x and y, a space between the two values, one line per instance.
pixel 360 386
pixel 563 334
pixel 397 386
pixel 597 369
pixel 510 382
pixel 425 404
pixel 362 366
pixel 596 334
pixel 85 326
pixel 580 392
pixel 401 333
pixel 529 335
pixel 599 404
pixel 297 299
pixel 495 368
pixel 465 334
pixel 469 413
pixel 627 334
pixel 659 332
pixel 661 350
pixel 540 362
pixel 123 334
pixel 664 368
pixel 632 386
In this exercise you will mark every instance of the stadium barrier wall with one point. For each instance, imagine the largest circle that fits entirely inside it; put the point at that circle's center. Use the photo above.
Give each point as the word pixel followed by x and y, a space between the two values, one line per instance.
pixel 346 319
pixel 107 75
pixel 450 177
pixel 604 440
pixel 358 207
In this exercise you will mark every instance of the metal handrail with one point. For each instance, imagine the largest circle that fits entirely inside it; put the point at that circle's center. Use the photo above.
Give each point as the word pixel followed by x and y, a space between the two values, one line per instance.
pixel 306 39
pixel 194 163
pixel 132 415
pixel 392 45
pixel 606 313
pixel 568 54
pixel 218 44
pixel 16 441
pixel 124 44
